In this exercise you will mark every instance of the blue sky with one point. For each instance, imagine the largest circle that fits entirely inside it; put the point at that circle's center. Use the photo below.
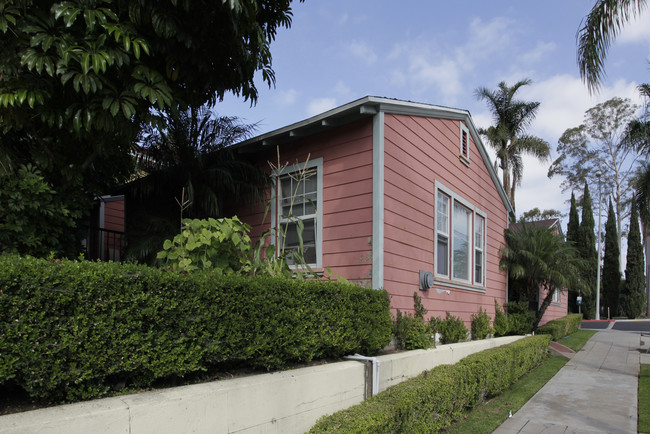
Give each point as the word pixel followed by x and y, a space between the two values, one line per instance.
pixel 439 53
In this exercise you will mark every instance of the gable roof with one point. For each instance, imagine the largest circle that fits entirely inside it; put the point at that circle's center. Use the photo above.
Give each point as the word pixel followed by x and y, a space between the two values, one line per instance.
pixel 553 223
pixel 369 106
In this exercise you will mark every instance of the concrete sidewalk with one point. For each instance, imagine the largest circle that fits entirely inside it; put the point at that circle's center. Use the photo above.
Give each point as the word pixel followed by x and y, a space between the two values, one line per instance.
pixel 595 392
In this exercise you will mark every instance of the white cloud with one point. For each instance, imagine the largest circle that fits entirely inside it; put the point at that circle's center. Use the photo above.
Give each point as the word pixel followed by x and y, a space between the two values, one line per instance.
pixel 286 97
pixel 487 37
pixel 539 52
pixel 426 64
pixel 320 105
pixel 343 19
pixel 637 30
pixel 363 51
pixel 564 99
pixel 343 90
pixel 443 75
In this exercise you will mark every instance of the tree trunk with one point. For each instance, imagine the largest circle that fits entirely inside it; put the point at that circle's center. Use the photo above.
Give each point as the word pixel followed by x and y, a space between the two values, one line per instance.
pixel 542 308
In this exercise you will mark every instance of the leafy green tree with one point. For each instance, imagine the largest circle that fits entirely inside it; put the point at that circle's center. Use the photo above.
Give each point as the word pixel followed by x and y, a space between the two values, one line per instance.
pixel 508 136
pixel 542 261
pixel 586 246
pixel 535 215
pixel 634 298
pixel 33 218
pixel 573 237
pixel 598 144
pixel 611 279
pixel 597 32
pixel 78 79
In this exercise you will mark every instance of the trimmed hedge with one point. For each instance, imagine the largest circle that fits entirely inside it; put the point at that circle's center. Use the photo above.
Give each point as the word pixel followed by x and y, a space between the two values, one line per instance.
pixel 435 398
pixel 73 330
pixel 560 327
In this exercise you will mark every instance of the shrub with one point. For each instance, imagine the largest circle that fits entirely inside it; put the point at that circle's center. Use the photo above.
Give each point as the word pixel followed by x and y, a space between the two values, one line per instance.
pixel 34 219
pixel 71 330
pixel 452 329
pixel 501 323
pixel 410 331
pixel 520 318
pixel 481 325
pixel 221 245
pixel 560 327
pixel 435 398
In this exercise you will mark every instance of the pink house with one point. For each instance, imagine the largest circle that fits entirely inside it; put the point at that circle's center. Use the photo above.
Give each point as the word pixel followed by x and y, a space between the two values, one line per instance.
pixel 401 196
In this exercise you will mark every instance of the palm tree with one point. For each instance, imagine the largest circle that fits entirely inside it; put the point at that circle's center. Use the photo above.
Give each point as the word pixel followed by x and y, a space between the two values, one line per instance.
pixel 189 163
pixel 597 32
pixel 539 259
pixel 508 138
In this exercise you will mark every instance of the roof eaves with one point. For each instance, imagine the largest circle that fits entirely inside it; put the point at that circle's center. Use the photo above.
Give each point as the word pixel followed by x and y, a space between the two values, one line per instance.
pixel 369 106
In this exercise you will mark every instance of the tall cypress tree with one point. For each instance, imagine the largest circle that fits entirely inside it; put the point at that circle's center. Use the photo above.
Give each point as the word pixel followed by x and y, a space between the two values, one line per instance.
pixel 634 290
pixel 573 227
pixel 611 281
pixel 573 236
pixel 587 247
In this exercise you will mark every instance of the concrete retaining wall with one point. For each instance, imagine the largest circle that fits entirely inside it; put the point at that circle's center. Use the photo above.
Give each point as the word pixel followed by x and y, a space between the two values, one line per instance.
pixel 281 402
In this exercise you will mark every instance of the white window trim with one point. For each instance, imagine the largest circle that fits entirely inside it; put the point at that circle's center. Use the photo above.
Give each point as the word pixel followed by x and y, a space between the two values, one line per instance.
pixel 313 163
pixel 446 279
pixel 437 232
pixel 481 249
pixel 464 130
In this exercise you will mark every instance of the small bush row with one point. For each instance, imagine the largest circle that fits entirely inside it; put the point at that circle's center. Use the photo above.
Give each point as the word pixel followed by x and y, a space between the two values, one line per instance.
pixel 434 399
pixel 412 332
pixel 560 327
pixel 73 330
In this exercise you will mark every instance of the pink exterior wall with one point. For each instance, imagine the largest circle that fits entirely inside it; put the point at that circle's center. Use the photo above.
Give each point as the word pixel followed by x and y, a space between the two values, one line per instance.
pixel 347 195
pixel 418 152
pixel 555 310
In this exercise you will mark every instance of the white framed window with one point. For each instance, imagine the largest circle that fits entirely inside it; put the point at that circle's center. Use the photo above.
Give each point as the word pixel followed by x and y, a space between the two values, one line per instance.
pixel 464 142
pixel 442 234
pixel 556 297
pixel 461 259
pixel 296 211
pixel 460 239
pixel 479 249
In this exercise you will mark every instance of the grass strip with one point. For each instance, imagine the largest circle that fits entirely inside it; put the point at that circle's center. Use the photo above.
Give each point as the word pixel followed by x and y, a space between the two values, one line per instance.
pixel 578 339
pixel 486 417
pixel 644 399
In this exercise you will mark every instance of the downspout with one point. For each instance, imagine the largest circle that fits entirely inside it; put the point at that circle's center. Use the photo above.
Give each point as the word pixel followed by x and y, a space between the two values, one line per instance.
pixel 102 210
pixel 378 200
pixel 372 373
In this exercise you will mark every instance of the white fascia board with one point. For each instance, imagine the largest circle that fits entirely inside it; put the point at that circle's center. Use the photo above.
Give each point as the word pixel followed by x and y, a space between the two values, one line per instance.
pixel 490 168
pixel 364 107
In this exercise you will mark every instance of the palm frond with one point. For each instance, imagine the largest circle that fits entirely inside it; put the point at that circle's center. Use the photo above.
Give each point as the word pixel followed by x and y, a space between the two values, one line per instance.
pixel 597 32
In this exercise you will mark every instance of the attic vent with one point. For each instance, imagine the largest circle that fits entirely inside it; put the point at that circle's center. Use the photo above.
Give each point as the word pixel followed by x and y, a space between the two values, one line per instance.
pixel 464 143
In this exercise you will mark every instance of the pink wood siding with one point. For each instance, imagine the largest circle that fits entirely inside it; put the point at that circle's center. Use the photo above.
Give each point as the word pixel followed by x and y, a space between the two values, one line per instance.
pixel 418 152
pixel 114 215
pixel 347 196
pixel 554 311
